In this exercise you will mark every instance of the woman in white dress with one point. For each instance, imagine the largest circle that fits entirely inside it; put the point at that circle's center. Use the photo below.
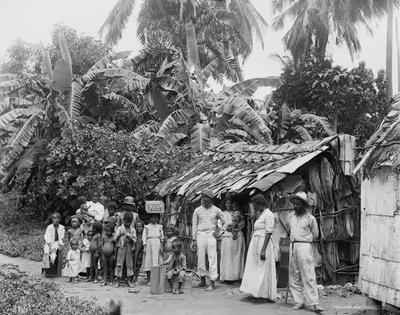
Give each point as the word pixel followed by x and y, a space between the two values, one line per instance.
pixel 232 245
pixel 259 279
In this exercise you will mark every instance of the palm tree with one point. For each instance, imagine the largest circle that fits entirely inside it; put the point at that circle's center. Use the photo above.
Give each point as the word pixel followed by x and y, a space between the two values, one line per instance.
pixel 225 30
pixel 316 23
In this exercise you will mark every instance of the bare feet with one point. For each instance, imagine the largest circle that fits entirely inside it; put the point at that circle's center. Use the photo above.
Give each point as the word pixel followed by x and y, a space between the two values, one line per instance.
pixel 103 283
pixel 318 309
pixel 202 282
pixel 180 291
pixel 89 280
pixel 298 306
pixel 211 287
pixel 175 291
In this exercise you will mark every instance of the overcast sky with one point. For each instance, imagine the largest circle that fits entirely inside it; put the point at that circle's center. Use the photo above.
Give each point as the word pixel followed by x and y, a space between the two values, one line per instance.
pixel 32 20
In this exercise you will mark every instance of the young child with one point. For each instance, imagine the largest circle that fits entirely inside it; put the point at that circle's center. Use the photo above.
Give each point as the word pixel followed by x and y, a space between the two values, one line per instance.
pixel 138 256
pixel 170 233
pixel 82 212
pixel 111 213
pixel 126 239
pixel 75 231
pixel 153 238
pixel 85 253
pixel 176 266
pixel 73 264
pixel 95 251
pixel 108 249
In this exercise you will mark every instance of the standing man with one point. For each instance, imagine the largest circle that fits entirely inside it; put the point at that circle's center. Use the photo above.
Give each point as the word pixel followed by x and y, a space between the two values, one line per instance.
pixel 204 233
pixel 95 208
pixel 303 230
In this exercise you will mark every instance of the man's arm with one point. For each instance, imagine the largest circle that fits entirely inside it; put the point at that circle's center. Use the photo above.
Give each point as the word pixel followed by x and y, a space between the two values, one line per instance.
pixel 314 227
pixel 194 223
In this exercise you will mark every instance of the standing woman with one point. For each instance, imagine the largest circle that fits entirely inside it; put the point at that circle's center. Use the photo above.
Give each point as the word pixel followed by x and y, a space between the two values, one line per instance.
pixel 259 279
pixel 233 246
pixel 53 248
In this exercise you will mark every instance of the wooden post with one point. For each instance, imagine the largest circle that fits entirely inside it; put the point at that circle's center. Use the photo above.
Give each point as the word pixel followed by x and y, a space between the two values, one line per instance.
pixel 374 307
pixel 157 280
pixel 389 47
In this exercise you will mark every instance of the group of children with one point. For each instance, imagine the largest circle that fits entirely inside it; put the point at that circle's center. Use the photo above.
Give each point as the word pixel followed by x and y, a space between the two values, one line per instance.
pixel 121 246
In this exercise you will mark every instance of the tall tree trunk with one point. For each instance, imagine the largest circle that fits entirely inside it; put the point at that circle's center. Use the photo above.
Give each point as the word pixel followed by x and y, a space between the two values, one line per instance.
pixel 389 47
pixel 398 54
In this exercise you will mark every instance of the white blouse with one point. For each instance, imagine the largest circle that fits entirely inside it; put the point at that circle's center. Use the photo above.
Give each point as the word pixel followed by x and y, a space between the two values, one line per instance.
pixel 264 224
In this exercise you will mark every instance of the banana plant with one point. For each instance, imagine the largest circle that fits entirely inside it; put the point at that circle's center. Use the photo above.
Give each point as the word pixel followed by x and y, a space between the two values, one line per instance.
pixel 33 108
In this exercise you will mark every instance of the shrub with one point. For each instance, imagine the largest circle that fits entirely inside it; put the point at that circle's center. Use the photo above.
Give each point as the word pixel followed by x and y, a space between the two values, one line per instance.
pixel 21 294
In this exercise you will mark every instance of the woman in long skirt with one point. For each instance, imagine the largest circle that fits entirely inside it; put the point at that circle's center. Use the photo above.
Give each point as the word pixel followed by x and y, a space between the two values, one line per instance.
pixel 53 248
pixel 259 279
pixel 233 245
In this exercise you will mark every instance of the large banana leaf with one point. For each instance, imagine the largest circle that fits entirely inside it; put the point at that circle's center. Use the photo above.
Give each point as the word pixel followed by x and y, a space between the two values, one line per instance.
pixel 64 49
pixel 108 60
pixel 321 121
pixel 146 130
pixel 12 85
pixel 158 101
pixel 46 64
pixel 172 122
pixel 114 97
pixel 120 72
pixel 209 70
pixel 18 102
pixel 91 74
pixel 169 142
pixel 302 132
pixel 28 158
pixel 73 100
pixel 248 87
pixel 8 77
pixel 12 115
pixel 284 121
pixel 62 76
pixel 170 84
pixel 200 137
pixel 165 66
pixel 192 50
pixel 22 138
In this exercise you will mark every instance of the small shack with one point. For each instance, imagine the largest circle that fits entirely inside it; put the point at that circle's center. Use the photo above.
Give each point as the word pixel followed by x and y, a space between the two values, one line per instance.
pixel 322 168
pixel 379 275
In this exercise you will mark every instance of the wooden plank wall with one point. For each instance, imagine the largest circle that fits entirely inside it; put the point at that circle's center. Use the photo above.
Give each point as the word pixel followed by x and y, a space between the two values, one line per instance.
pixel 379 275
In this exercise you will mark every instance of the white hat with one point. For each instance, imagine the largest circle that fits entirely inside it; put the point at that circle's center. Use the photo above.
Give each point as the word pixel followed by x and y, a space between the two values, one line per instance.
pixel 301 195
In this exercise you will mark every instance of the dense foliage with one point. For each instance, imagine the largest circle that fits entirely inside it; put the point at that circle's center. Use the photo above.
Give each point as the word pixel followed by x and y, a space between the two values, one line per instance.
pixel 21 294
pixel 353 100
pixel 98 158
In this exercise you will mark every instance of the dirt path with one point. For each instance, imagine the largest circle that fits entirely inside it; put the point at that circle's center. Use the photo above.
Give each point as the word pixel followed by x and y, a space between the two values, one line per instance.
pixel 226 299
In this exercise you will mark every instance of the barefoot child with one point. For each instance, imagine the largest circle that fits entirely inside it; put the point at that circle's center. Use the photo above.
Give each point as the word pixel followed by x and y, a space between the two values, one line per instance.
pixel 126 239
pixel 85 253
pixel 95 251
pixel 111 213
pixel 108 249
pixel 153 238
pixel 170 233
pixel 176 263
pixel 73 264
pixel 138 256
pixel 75 231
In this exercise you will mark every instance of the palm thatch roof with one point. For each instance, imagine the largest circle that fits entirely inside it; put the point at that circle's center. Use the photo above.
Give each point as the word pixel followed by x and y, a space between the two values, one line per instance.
pixel 383 148
pixel 236 167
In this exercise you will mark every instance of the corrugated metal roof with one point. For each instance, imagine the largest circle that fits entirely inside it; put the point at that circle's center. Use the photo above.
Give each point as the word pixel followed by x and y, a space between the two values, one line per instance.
pixel 239 166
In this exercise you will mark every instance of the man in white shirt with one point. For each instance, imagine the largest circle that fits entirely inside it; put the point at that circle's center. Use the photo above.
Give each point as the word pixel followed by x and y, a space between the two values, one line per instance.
pixel 303 231
pixel 204 233
pixel 95 208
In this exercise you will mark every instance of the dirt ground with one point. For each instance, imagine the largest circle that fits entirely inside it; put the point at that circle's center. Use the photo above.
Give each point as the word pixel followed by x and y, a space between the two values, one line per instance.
pixel 226 299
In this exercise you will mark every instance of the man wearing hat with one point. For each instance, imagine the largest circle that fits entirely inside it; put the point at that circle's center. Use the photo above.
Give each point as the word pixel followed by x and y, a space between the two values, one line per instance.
pixel 303 230
pixel 128 205
pixel 204 233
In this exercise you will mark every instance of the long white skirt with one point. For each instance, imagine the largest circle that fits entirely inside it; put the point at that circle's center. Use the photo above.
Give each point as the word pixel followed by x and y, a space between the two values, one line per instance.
pixel 153 257
pixel 232 257
pixel 259 278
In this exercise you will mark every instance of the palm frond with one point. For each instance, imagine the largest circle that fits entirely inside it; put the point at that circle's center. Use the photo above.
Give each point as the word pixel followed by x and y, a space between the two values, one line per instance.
pixel 12 85
pixel 116 21
pixel 200 137
pixel 209 70
pixel 284 121
pixel 114 97
pixel 12 115
pixel 73 100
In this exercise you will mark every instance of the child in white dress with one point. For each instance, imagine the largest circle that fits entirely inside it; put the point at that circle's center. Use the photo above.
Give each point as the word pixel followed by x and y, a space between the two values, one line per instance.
pixel 85 254
pixel 73 264
pixel 153 239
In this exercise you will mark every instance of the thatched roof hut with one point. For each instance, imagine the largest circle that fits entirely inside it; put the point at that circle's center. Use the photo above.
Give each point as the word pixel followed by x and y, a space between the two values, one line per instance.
pixel 277 170
pixel 379 275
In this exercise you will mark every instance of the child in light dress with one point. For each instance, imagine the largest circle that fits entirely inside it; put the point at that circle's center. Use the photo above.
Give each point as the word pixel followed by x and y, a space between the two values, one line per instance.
pixel 153 239
pixel 85 253
pixel 73 264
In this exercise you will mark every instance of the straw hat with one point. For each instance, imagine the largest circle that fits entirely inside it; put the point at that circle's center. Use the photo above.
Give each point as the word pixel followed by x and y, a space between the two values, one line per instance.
pixel 301 195
pixel 128 200
pixel 208 192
